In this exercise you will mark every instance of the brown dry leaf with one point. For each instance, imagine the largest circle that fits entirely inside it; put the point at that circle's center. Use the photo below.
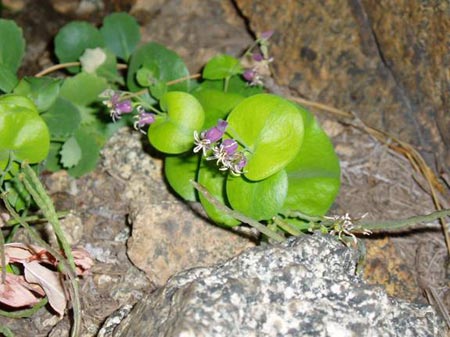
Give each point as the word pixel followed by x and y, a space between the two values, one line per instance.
pixel 50 281
pixel 21 252
pixel 83 260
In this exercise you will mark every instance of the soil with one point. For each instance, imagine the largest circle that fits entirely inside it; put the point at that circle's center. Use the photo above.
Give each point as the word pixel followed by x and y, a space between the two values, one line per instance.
pixel 376 180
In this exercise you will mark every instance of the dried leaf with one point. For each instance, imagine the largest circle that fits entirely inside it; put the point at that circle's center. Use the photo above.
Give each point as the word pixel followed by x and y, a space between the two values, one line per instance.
pixel 21 252
pixel 83 260
pixel 15 294
pixel 51 283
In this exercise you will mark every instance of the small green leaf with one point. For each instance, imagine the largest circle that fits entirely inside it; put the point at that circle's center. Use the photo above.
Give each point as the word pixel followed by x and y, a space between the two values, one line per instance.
pixel 174 132
pixel 12 45
pixel 83 89
pixel 70 153
pixel 121 33
pixel 179 171
pixel 314 175
pixel 214 181
pixel 62 119
pixel 42 91
pixel 221 67
pixel 53 161
pixel 146 77
pixel 73 39
pixel 8 79
pixel 163 62
pixel 261 199
pixel 236 85
pixel 90 151
pixel 271 128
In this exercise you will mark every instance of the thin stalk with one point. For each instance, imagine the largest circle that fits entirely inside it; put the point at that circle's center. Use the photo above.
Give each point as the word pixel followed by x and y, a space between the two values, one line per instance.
pixel 26 312
pixel 395 225
pixel 238 216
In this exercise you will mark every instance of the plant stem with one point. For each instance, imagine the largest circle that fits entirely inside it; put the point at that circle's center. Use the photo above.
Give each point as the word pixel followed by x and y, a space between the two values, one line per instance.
pixel 238 216
pixel 26 312
pixel 393 225
pixel 34 218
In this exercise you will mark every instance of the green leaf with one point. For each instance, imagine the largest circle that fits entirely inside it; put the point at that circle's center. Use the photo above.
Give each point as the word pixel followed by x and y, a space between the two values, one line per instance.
pixel 17 194
pixel 236 85
pixel 101 62
pixel 62 119
pixel 121 34
pixel 214 181
pixel 260 200
pixel 314 175
pixel 70 153
pixel 22 130
pixel 73 39
pixel 162 62
pixel 42 91
pixel 217 104
pixel 8 79
pixel 221 67
pixel 53 161
pixel 179 171
pixel 12 45
pixel 174 132
pixel 90 151
pixel 271 128
pixel 83 89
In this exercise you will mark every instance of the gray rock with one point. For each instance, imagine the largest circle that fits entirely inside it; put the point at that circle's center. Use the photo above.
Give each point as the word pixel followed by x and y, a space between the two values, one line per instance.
pixel 306 286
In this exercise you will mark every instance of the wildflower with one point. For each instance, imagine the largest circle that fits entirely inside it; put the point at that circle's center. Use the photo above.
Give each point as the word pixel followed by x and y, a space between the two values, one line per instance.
pixel 344 224
pixel 115 104
pixel 224 151
pixel 259 67
pixel 144 118
pixel 208 137
pixel 266 35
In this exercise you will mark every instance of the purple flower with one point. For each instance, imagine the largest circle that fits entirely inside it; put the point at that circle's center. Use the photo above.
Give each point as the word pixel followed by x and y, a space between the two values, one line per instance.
pixel 144 118
pixel 207 138
pixel 117 106
pixel 257 57
pixel 266 35
pixel 249 75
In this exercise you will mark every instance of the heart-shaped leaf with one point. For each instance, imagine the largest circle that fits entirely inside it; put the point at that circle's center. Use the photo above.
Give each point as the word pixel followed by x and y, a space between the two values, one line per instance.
pixel 173 133
pixel 121 33
pixel 22 130
pixel 221 66
pixel 73 39
pixel 179 171
pixel 314 175
pixel 42 91
pixel 271 129
pixel 261 199
pixel 214 181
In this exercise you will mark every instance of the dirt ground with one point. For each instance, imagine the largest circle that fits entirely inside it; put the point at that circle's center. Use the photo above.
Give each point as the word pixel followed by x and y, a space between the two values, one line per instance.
pixel 376 180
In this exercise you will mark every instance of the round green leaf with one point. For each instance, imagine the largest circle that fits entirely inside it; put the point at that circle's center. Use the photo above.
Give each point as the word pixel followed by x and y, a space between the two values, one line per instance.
pixel 22 130
pixel 162 62
pixel 173 133
pixel 214 181
pixel 314 175
pixel 121 33
pixel 83 88
pixel 179 171
pixel 12 45
pixel 221 66
pixel 260 200
pixel 271 128
pixel 73 39
pixel 42 90
pixel 217 104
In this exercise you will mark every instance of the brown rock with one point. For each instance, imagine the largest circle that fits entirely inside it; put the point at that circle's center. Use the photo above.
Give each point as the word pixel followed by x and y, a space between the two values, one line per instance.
pixel 386 60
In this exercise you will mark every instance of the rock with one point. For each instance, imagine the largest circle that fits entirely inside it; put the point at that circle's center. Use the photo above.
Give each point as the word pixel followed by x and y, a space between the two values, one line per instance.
pixel 167 235
pixel 383 60
pixel 305 286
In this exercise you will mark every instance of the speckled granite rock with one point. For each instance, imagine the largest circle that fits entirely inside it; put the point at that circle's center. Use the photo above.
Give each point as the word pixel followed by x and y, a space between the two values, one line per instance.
pixel 303 287
pixel 384 60
pixel 167 235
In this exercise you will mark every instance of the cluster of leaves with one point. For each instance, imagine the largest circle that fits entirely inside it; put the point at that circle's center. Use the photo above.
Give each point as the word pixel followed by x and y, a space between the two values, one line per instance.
pixel 290 162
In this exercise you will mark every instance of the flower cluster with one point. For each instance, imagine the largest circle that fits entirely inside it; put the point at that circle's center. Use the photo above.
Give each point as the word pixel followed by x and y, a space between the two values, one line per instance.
pixel 258 64
pixel 344 224
pixel 225 152
pixel 118 105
